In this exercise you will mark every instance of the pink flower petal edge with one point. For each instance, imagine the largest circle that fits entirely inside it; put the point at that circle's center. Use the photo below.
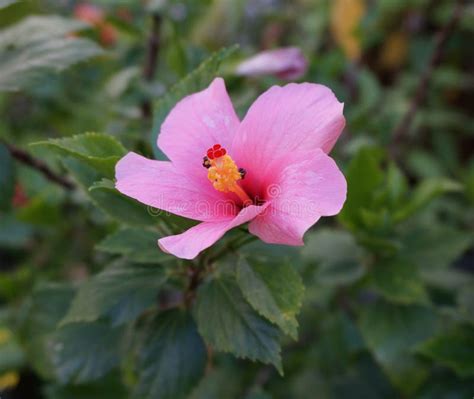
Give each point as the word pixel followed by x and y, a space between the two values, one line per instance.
pixel 194 240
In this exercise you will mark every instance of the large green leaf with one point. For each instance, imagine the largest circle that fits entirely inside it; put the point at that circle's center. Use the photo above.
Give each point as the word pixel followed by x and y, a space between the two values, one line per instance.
pixel 171 358
pixel 391 333
pixel 337 255
pixel 197 80
pixel 229 324
pixel 398 280
pixel 83 352
pixel 274 290
pixel 100 151
pixel 454 349
pixel 136 244
pixel 39 44
pixel 120 292
pixel 7 177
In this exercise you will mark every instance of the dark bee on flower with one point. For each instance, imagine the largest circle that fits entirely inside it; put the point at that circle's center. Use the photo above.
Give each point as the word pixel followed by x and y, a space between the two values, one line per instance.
pixel 242 172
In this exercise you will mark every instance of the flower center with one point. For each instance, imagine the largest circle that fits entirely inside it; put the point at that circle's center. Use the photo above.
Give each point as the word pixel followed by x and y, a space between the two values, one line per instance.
pixel 224 173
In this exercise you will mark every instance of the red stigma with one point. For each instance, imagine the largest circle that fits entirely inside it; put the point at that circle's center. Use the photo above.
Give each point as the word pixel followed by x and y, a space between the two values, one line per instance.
pixel 216 151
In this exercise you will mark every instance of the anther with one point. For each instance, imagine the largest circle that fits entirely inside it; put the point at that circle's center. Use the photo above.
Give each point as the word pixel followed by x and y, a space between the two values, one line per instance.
pixel 206 163
pixel 242 172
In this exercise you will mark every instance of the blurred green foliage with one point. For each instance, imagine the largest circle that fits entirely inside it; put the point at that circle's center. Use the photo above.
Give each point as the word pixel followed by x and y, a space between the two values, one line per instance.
pixel 379 303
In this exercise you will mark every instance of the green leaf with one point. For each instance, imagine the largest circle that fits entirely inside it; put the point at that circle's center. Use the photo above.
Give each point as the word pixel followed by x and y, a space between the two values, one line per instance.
pixel 46 307
pixel 120 207
pixel 229 324
pixel 274 290
pixel 364 177
pixel 196 81
pixel 339 258
pixel 39 44
pixel 431 246
pixel 83 352
pixel 110 387
pixel 136 244
pixel 120 292
pixel 172 357
pixel 454 349
pixel 99 151
pixel 398 280
pixel 103 194
pixel 391 333
pixel 424 193
pixel 7 178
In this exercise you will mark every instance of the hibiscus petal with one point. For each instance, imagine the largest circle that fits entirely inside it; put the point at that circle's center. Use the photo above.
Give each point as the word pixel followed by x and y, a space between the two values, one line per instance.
pixel 160 185
pixel 196 123
pixel 295 117
pixel 188 244
pixel 310 186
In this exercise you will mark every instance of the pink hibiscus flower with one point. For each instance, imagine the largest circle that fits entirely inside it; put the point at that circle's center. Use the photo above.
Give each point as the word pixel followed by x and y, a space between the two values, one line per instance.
pixel 271 169
pixel 286 63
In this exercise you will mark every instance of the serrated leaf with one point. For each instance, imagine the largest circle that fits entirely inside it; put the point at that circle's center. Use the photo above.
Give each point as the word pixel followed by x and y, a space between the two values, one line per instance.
pixel 274 290
pixel 39 44
pixel 391 333
pixel 120 292
pixel 337 255
pixel 228 323
pixel 398 281
pixel 136 244
pixel 83 352
pixel 197 80
pixel 172 357
pixel 99 151
pixel 454 349
pixel 7 178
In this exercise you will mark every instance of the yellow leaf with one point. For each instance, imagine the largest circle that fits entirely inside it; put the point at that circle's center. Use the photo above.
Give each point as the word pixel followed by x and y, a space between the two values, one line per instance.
pixel 9 380
pixel 346 16
pixel 394 50
pixel 5 336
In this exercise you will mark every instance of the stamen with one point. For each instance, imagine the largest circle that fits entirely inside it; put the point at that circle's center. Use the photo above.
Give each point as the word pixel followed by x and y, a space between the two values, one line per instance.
pixel 224 173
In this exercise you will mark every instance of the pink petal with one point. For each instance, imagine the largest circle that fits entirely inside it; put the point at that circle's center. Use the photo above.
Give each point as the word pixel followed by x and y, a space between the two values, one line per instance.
pixel 196 123
pixel 160 185
pixel 286 63
pixel 296 117
pixel 310 186
pixel 190 243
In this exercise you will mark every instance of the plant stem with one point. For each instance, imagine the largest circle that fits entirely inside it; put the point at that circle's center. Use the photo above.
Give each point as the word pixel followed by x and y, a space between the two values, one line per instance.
pixel 27 159
pixel 151 61
pixel 421 91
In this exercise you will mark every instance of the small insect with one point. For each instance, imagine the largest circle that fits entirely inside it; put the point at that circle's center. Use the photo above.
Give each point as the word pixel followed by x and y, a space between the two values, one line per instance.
pixel 206 163
pixel 242 172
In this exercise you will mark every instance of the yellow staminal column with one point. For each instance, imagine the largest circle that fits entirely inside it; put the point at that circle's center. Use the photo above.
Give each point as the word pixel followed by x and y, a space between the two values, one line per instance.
pixel 224 175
